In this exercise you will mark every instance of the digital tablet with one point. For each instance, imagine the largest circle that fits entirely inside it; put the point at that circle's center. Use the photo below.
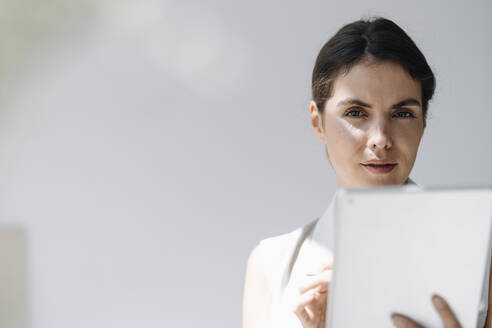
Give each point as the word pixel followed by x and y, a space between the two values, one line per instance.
pixel 397 246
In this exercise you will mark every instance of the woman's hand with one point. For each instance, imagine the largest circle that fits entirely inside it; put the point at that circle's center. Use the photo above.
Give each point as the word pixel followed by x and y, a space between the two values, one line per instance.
pixel 447 316
pixel 310 304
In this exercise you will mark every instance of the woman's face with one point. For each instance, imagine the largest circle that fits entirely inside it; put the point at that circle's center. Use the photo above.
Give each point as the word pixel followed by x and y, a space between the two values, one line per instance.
pixel 372 125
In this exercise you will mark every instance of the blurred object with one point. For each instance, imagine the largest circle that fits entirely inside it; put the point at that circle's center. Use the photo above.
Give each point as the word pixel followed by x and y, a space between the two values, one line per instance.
pixel 27 26
pixel 13 278
pixel 187 41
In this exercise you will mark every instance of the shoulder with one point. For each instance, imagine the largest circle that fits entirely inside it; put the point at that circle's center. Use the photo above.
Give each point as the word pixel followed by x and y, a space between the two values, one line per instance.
pixel 257 297
pixel 274 256
pixel 263 264
pixel 281 245
pixel 266 264
pixel 270 251
pixel 266 256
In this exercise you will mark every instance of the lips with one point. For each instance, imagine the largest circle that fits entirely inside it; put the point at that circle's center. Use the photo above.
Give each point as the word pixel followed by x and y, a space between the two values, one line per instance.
pixel 380 166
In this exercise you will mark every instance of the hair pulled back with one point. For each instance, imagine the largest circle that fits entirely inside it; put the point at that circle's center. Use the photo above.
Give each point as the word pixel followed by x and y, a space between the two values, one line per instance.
pixel 377 39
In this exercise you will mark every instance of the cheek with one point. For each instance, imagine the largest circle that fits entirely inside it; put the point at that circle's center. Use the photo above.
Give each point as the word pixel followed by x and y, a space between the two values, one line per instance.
pixel 409 139
pixel 343 140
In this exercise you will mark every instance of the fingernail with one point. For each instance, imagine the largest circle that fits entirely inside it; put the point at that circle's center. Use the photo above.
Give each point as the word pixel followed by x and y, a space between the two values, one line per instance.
pixel 398 320
pixel 438 302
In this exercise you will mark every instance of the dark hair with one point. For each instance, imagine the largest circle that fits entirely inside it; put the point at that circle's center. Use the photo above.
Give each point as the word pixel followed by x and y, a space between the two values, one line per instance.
pixel 377 39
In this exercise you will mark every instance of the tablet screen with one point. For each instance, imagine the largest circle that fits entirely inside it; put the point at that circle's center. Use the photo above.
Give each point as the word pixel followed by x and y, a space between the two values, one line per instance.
pixel 395 247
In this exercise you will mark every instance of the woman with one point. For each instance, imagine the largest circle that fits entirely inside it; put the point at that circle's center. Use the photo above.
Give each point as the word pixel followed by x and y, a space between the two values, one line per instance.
pixel 371 87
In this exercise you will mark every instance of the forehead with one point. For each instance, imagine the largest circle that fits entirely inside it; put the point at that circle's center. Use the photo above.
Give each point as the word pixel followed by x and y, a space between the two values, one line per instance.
pixel 378 83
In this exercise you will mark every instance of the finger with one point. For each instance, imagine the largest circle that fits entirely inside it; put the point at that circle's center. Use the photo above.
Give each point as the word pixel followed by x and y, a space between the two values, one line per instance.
pixel 326 267
pixel 323 268
pixel 304 316
pixel 306 299
pixel 300 307
pixel 311 308
pixel 447 316
pixel 321 279
pixel 401 321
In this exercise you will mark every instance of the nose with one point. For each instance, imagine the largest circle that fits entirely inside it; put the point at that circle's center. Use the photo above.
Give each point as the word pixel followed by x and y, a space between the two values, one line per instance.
pixel 379 136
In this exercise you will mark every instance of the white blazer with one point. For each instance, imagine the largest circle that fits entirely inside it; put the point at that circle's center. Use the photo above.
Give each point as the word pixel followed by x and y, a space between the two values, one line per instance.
pixel 290 256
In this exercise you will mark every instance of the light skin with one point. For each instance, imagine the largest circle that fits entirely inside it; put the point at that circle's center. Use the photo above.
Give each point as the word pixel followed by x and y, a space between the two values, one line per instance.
pixel 374 113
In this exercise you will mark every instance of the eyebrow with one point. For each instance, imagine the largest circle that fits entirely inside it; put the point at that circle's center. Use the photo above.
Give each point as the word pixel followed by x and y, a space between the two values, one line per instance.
pixel 353 101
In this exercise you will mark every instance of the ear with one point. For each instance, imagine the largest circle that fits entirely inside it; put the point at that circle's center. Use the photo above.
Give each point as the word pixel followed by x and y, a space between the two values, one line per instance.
pixel 316 121
pixel 426 110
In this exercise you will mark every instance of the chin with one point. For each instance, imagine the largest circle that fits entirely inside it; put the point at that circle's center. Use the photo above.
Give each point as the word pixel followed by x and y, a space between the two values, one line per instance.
pixel 390 181
pixel 369 182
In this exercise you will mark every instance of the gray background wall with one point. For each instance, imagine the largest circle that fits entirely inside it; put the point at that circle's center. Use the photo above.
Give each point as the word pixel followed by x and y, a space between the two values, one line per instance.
pixel 147 146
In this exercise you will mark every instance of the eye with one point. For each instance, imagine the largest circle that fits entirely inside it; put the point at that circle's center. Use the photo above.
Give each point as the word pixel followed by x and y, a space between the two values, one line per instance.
pixel 405 114
pixel 355 112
